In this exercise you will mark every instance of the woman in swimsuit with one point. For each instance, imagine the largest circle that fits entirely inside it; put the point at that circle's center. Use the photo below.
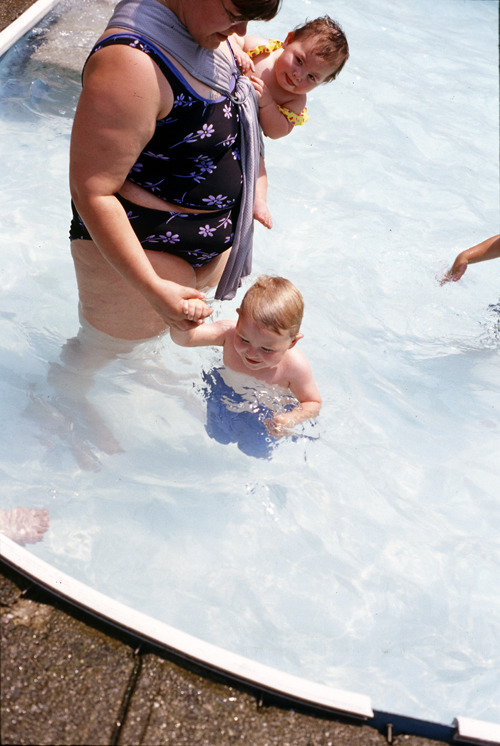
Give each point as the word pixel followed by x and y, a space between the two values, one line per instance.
pixel 155 170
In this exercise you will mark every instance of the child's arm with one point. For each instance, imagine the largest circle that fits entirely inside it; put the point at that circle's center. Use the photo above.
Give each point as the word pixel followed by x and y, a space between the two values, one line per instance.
pixel 303 387
pixel 489 249
pixel 243 60
pixel 206 335
pixel 274 124
pixel 261 210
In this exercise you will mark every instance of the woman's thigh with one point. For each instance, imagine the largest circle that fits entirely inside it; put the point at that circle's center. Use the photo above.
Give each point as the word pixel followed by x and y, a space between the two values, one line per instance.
pixel 111 305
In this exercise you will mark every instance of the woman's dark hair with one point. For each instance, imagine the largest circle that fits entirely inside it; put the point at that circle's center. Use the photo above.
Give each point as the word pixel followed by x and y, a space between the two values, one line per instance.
pixel 258 10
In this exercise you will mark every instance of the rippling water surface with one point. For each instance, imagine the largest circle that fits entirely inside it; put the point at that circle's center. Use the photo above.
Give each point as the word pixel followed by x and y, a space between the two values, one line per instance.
pixel 365 553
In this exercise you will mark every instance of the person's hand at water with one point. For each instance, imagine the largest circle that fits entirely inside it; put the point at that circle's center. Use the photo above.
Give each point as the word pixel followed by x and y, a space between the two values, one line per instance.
pixel 281 425
pixel 24 525
pixel 277 427
pixel 457 270
pixel 489 249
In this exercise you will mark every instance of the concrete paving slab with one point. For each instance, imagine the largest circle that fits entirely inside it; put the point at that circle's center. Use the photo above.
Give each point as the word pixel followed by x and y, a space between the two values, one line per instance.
pixel 62 682
pixel 67 678
pixel 12 9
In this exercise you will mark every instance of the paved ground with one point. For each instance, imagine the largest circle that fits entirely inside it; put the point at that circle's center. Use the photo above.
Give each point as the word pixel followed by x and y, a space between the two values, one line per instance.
pixel 11 9
pixel 67 679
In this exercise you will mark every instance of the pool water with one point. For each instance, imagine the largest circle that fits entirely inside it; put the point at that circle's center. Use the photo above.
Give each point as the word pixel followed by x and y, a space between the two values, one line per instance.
pixel 363 553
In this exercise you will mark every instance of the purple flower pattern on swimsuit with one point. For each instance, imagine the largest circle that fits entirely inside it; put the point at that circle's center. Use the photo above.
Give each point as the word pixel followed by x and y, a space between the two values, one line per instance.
pixel 193 160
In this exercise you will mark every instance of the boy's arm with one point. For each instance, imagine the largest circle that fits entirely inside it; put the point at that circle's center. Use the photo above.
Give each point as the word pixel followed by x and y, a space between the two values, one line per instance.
pixel 206 335
pixel 489 249
pixel 303 387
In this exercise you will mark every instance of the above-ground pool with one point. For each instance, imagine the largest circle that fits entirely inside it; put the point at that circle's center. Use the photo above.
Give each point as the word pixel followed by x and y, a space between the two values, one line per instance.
pixel 363 553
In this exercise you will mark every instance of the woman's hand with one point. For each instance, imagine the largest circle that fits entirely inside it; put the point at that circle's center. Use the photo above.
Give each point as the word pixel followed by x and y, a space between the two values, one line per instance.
pixel 195 310
pixel 179 306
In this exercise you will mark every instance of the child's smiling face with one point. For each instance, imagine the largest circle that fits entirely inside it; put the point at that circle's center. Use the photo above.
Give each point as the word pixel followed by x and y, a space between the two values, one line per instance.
pixel 299 69
pixel 258 346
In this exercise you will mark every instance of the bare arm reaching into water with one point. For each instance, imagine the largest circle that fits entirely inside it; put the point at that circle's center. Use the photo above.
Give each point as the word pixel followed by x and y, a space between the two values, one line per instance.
pixel 489 249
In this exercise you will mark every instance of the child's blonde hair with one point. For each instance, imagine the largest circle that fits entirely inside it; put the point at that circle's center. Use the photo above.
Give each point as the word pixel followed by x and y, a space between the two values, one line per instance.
pixel 331 45
pixel 274 303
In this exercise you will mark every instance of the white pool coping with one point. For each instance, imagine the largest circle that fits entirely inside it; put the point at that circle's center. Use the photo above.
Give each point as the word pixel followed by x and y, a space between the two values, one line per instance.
pixel 266 678
pixel 24 23
pixel 236 666
pixel 472 731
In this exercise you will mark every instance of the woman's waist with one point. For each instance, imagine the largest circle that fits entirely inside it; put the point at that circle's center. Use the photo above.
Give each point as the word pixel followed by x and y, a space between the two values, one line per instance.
pixel 144 198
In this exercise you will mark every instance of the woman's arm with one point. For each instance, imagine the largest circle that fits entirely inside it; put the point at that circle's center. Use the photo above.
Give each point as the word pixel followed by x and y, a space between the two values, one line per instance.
pixel 489 249
pixel 123 95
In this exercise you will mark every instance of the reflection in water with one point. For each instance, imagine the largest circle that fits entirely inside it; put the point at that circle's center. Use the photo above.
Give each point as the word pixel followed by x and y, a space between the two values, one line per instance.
pixel 24 525
pixel 367 558
pixel 66 414
pixel 239 407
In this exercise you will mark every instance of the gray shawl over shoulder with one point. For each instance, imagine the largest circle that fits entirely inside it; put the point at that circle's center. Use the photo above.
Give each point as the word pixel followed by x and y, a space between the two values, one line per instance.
pixel 157 23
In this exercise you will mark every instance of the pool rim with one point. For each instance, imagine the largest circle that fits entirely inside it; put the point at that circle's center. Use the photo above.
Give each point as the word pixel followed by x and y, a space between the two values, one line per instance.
pixel 283 687
pixel 278 687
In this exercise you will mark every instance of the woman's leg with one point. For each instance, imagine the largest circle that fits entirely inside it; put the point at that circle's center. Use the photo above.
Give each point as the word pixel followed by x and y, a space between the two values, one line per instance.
pixel 110 304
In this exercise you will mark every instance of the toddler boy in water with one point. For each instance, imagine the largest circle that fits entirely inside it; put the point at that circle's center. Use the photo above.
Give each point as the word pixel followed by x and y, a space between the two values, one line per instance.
pixel 262 344
pixel 283 73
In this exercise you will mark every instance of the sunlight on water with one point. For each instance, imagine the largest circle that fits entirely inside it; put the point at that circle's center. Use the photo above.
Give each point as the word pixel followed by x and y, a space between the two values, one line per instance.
pixel 364 552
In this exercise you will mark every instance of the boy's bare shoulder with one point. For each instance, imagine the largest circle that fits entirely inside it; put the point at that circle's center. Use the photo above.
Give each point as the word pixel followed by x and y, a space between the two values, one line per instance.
pixel 296 361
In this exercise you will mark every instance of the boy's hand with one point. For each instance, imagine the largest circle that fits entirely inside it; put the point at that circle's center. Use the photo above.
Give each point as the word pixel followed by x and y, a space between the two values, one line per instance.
pixel 196 310
pixel 262 91
pixel 278 426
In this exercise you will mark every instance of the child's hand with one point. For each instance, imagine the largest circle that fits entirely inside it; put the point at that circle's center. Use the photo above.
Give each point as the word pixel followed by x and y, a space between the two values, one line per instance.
pixel 262 91
pixel 278 426
pixel 457 270
pixel 196 310
pixel 243 61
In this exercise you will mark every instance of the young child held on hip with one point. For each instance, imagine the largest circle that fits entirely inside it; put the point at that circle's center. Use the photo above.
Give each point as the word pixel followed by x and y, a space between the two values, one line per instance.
pixel 262 343
pixel 283 73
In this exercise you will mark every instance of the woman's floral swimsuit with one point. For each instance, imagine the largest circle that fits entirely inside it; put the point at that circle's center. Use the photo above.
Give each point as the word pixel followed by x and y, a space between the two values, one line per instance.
pixel 193 160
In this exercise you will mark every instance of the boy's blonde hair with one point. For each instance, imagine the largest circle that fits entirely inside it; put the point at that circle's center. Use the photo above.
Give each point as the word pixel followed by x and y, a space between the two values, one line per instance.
pixel 274 303
pixel 331 44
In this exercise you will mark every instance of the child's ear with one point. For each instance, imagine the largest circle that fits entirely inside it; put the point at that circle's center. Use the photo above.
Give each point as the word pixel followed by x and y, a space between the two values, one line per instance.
pixel 295 340
pixel 289 38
